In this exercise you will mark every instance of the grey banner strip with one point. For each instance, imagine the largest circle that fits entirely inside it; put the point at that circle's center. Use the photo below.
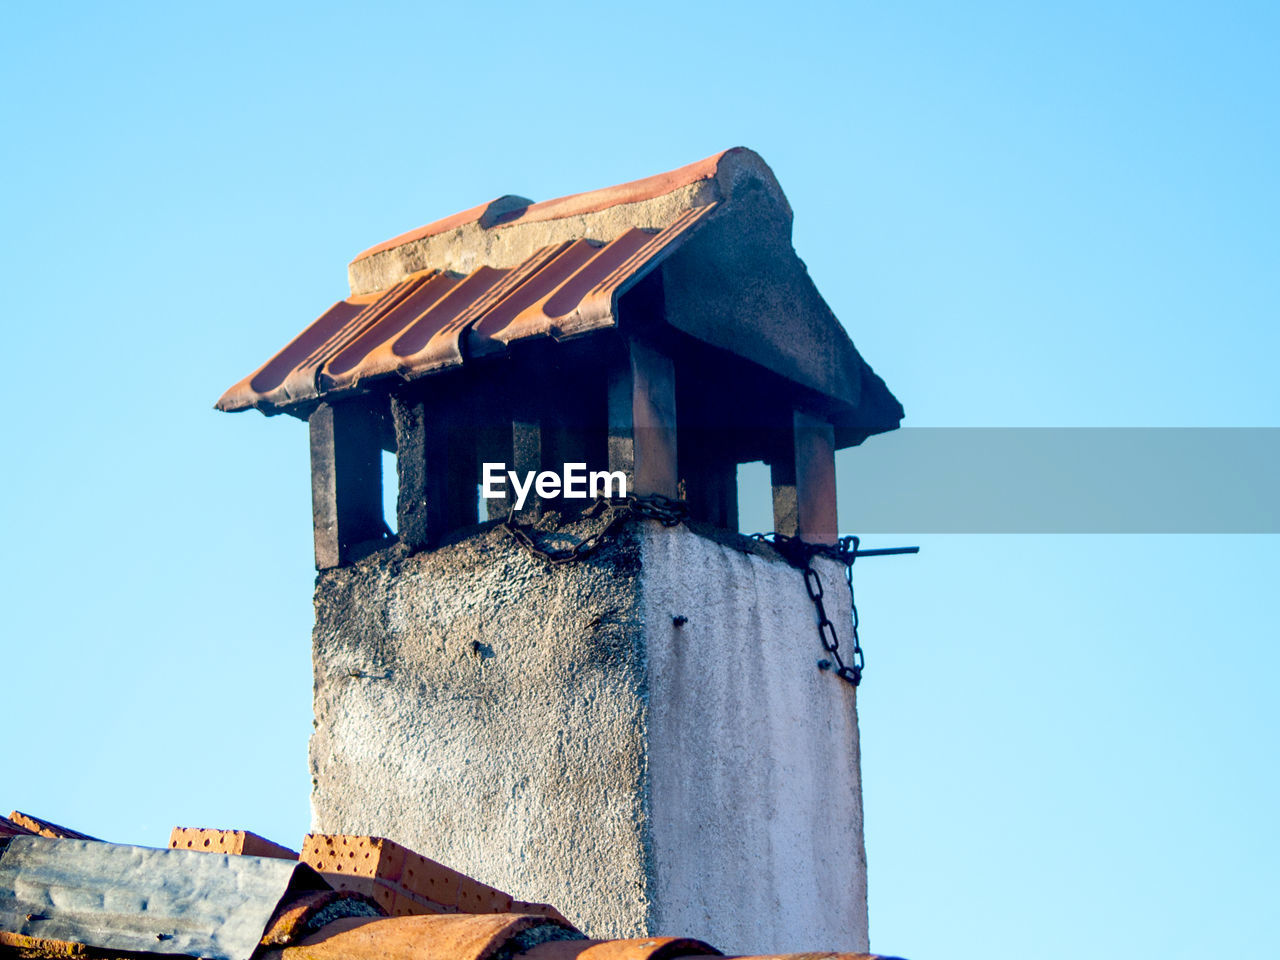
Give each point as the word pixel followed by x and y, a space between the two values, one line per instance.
pixel 1062 480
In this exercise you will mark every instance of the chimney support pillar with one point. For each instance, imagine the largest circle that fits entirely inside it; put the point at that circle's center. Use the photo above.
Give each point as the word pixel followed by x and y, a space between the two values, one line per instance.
pixel 346 480
pixel 642 421
pixel 803 477
pixel 437 476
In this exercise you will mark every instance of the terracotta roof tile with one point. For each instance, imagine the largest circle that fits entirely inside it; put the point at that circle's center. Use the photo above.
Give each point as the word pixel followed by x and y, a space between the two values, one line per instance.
pixel 444 937
pixel 647 948
pixel 538 910
pixel 310 912
pixel 431 320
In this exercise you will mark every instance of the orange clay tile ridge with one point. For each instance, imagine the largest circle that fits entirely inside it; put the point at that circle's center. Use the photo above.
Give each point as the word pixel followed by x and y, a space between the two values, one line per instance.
pixel 44 828
pixel 441 937
pixel 538 910
pixel 509 209
pixel 432 320
pixel 240 842
pixel 311 911
pixel 648 948
pixel 654 948
pixel 496 937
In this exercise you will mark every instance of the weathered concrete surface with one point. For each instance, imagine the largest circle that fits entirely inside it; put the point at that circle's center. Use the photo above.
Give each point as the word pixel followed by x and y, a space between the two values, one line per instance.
pixel 755 798
pixel 490 715
pixel 554 733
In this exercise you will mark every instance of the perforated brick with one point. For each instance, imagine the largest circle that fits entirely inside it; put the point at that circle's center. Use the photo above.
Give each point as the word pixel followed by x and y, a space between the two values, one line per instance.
pixel 239 842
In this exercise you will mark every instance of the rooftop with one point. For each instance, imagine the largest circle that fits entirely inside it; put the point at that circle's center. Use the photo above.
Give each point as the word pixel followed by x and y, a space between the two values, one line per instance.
pixel 232 895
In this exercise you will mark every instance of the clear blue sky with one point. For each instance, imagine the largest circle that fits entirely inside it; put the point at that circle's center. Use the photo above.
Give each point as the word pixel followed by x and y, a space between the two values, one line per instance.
pixel 1026 214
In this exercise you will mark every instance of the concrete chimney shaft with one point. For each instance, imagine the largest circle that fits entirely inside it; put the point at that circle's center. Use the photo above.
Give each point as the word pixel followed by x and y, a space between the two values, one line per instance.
pixel 642 739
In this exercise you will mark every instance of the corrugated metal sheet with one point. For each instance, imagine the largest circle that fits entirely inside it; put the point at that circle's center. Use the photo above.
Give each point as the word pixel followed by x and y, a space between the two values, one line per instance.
pixel 432 321
pixel 119 897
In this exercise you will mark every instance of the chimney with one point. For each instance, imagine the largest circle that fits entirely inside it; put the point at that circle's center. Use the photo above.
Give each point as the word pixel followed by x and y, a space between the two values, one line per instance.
pixel 612 705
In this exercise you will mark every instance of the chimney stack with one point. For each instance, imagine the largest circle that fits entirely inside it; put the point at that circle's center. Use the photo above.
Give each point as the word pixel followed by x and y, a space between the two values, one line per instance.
pixel 635 728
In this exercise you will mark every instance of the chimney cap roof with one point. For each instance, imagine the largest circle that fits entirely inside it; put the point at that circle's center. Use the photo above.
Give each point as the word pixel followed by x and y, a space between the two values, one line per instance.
pixel 468 286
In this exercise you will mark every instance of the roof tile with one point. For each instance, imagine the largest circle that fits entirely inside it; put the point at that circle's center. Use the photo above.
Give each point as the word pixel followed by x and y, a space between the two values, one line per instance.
pixel 451 936
pixel 646 948
pixel 431 320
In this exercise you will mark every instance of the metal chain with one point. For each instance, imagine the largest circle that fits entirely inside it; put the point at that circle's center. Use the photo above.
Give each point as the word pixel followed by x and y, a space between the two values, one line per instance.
pixel 666 511
pixel 670 513
pixel 800 554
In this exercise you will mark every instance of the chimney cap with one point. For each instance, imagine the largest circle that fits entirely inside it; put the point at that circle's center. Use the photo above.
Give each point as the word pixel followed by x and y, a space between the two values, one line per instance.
pixel 466 287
